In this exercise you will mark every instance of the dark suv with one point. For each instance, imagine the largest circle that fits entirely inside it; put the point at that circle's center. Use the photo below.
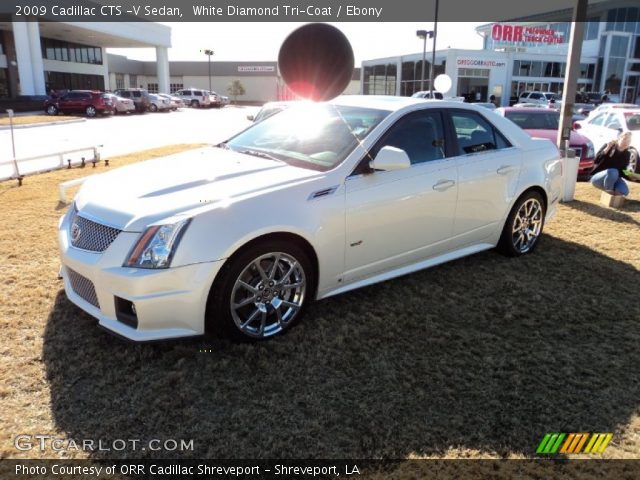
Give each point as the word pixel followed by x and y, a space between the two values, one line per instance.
pixel 90 102
pixel 140 97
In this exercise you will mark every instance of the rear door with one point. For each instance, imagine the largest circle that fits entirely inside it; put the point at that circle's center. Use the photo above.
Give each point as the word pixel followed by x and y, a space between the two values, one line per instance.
pixel 488 172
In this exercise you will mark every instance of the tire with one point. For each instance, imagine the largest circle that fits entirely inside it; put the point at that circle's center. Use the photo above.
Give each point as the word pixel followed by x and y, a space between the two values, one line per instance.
pixel 52 110
pixel 250 301
pixel 153 107
pixel 91 111
pixel 524 225
pixel 634 165
pixel 195 104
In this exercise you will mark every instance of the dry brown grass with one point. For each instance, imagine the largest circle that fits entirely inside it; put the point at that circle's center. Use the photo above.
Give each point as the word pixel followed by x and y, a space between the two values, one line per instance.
pixel 478 358
pixel 30 119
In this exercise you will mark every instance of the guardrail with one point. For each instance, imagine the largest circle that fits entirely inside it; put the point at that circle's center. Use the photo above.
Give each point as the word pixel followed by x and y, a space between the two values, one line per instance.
pixel 51 161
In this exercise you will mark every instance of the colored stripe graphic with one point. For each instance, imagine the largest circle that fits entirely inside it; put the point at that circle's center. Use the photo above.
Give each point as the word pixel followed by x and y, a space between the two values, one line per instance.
pixel 574 442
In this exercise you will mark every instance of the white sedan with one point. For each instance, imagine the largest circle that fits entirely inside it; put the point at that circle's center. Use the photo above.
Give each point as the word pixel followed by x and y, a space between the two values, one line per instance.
pixel 313 202
pixel 607 124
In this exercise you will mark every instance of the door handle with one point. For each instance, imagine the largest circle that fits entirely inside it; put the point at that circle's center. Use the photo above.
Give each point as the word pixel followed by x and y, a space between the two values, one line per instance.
pixel 443 185
pixel 503 170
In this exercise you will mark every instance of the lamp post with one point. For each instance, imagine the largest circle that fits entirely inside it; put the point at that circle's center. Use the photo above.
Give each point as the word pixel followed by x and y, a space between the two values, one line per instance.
pixel 423 34
pixel 208 52
pixel 433 51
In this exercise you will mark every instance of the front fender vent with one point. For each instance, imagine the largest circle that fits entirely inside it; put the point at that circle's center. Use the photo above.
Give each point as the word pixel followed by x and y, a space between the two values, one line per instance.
pixel 325 192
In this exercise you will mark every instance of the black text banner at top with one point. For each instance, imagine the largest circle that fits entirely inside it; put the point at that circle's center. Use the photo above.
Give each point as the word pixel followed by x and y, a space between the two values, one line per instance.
pixel 281 10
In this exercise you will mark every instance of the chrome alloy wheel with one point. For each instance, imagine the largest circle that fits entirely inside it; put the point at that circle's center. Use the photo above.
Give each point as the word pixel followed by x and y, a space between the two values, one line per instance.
pixel 268 294
pixel 527 225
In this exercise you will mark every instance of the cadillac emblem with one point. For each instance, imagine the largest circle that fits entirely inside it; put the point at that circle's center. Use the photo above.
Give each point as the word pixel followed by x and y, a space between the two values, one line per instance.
pixel 75 232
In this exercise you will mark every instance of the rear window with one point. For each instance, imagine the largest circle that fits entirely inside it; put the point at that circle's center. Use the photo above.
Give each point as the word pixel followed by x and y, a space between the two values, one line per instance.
pixel 197 92
pixel 633 120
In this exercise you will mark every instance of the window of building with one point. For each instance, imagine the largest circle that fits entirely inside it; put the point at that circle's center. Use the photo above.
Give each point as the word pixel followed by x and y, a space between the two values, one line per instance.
pixel 70 52
pixel 119 80
pixel 174 87
pixel 152 87
pixel 133 81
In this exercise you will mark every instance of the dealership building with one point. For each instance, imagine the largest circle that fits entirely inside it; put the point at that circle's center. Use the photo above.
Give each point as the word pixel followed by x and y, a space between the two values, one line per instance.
pixel 37 57
pixel 528 55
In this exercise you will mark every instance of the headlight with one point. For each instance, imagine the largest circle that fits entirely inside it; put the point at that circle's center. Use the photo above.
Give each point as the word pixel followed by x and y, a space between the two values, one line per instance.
pixel 590 150
pixel 156 246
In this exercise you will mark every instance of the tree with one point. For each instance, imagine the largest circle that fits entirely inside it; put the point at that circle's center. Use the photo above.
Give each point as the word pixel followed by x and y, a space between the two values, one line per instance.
pixel 236 89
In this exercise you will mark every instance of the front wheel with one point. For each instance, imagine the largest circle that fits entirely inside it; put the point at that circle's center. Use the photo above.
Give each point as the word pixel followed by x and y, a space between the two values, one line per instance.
pixel 91 111
pixel 153 107
pixel 195 104
pixel 262 291
pixel 52 110
pixel 524 225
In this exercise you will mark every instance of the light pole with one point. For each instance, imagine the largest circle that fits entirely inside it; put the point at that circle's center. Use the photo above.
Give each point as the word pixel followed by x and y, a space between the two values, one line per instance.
pixel 208 52
pixel 423 34
pixel 433 51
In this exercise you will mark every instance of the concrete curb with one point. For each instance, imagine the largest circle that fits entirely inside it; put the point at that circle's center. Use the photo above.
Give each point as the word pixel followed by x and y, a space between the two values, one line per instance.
pixel 43 124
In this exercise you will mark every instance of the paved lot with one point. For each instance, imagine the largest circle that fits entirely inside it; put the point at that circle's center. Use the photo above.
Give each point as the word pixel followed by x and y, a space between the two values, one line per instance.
pixel 121 134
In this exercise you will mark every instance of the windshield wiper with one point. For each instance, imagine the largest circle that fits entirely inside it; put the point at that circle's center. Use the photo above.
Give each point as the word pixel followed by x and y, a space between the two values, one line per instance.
pixel 258 153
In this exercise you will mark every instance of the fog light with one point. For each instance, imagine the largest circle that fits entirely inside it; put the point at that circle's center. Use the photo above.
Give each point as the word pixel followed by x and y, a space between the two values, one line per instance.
pixel 126 312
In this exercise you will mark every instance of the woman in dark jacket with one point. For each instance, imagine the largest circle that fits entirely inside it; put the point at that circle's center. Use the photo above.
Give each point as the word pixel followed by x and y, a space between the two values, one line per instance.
pixel 610 163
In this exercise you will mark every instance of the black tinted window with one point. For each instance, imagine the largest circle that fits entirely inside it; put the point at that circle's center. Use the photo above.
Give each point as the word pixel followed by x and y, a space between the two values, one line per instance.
pixel 197 92
pixel 419 134
pixel 475 134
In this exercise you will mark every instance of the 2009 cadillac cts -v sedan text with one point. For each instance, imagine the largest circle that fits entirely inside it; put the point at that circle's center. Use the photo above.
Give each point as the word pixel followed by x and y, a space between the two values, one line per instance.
pixel 314 201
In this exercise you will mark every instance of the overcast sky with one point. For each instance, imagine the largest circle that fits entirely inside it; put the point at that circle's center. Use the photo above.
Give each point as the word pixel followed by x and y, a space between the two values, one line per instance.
pixel 261 41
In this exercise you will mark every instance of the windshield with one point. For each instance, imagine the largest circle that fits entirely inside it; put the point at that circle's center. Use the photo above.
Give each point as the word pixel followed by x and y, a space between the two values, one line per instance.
pixel 314 136
pixel 528 120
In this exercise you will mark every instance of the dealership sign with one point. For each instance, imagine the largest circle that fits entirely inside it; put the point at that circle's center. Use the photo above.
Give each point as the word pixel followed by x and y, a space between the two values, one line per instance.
pixel 254 68
pixel 518 33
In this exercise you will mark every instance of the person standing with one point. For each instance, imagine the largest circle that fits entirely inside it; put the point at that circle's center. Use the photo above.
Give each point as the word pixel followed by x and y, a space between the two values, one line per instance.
pixel 610 162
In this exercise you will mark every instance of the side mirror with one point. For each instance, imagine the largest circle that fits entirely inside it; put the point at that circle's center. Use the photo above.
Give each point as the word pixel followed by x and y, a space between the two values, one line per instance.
pixel 390 158
pixel 576 126
pixel 250 118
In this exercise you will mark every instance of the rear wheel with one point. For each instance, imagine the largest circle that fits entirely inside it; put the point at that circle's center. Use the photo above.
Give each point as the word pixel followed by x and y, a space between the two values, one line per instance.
pixel 195 103
pixel 634 165
pixel 262 291
pixel 523 226
pixel 91 111
pixel 52 110
pixel 153 107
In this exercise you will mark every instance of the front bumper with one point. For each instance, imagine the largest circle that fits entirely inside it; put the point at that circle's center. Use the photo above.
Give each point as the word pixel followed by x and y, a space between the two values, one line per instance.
pixel 169 303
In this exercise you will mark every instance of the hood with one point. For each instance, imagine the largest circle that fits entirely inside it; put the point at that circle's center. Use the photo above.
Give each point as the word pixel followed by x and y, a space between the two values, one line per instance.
pixel 130 198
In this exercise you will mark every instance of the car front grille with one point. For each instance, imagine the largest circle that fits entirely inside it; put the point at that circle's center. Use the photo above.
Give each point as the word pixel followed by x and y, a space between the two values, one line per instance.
pixel 89 235
pixel 83 287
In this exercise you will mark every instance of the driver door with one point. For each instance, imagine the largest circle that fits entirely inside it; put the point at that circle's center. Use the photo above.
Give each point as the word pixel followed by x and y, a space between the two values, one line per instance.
pixel 395 218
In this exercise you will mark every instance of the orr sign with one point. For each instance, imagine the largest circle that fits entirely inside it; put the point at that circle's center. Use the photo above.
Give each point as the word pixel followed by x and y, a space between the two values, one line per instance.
pixel 518 33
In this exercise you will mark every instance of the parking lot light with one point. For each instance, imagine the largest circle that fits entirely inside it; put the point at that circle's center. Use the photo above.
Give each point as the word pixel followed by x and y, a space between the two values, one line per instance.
pixel 208 52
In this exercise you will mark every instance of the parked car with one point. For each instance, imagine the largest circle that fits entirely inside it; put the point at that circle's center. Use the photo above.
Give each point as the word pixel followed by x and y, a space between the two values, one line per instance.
pixel 539 98
pixel 605 125
pixel 544 123
pixel 139 96
pixel 427 94
pixel 613 106
pixel 269 109
pixel 176 102
pixel 214 100
pixel 158 103
pixel 224 99
pixel 89 102
pixel 121 104
pixel 194 97
pixel 315 201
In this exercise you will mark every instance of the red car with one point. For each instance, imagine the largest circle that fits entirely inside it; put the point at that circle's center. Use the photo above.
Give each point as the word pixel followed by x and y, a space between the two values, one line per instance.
pixel 89 102
pixel 544 123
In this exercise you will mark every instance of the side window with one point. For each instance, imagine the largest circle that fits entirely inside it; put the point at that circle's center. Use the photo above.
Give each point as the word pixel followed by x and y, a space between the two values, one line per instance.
pixel 535 96
pixel 420 134
pixel 197 93
pixel 475 134
pixel 598 119
pixel 613 122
